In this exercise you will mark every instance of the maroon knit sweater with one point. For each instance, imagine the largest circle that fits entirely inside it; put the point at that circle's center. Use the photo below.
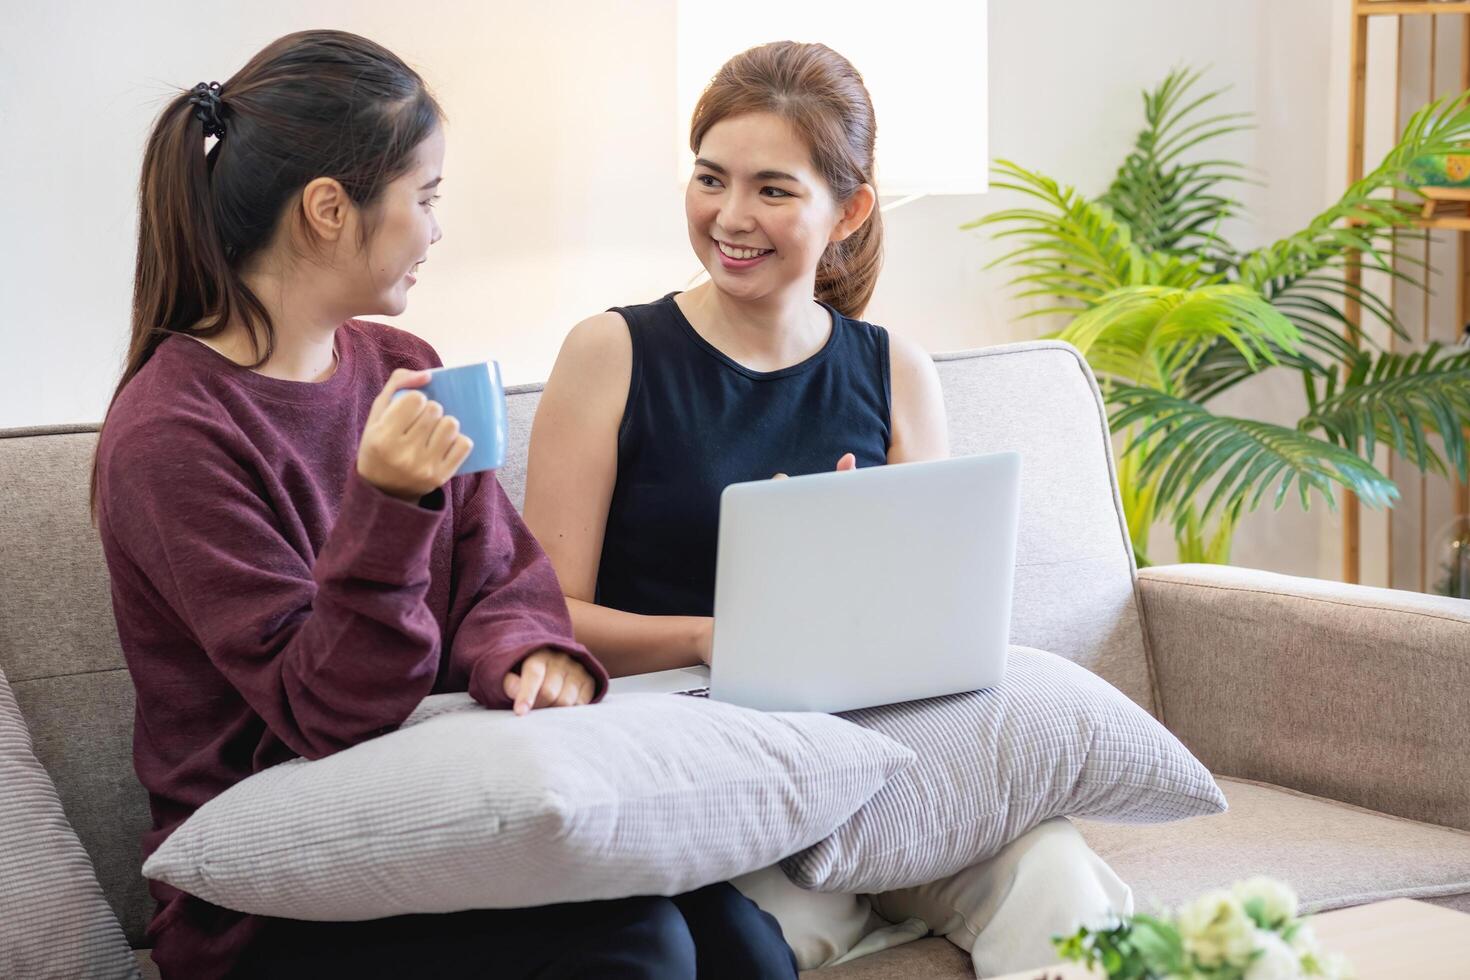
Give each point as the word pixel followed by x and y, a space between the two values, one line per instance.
pixel 273 604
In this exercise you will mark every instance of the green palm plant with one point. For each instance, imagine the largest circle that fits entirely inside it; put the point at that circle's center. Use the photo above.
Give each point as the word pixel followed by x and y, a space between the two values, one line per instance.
pixel 1170 315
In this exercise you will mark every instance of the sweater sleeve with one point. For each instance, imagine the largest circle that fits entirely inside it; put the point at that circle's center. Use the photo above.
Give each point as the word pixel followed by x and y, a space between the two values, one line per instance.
pixel 329 650
pixel 507 602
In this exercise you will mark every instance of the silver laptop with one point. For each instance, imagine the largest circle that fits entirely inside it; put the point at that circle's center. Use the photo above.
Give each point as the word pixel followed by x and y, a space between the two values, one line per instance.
pixel 838 591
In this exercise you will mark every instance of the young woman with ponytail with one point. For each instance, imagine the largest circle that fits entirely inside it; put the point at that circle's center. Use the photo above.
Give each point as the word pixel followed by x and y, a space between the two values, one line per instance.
pixel 766 370
pixel 293 567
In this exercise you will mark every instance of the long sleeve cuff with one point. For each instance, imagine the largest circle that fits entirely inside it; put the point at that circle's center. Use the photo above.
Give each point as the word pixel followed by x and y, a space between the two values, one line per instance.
pixel 487 679
pixel 381 537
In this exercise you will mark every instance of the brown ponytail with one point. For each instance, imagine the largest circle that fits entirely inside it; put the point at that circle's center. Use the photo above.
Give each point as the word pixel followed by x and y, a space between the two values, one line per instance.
pixel 311 104
pixel 183 282
pixel 822 96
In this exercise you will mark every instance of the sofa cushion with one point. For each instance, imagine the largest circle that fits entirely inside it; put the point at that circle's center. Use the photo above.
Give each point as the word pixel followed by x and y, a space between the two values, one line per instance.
pixel 54 921
pixel 1051 740
pixel 927 959
pixel 1333 854
pixel 465 808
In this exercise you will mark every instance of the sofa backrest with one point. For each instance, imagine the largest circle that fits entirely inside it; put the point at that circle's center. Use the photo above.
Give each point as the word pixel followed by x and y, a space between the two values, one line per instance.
pixel 58 646
pixel 1074 591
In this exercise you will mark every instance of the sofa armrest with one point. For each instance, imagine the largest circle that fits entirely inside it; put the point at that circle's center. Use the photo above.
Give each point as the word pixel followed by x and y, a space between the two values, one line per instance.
pixel 1349 692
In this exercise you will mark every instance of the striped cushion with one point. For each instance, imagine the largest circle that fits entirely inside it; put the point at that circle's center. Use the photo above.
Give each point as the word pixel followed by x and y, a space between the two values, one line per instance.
pixel 465 808
pixel 54 921
pixel 1052 740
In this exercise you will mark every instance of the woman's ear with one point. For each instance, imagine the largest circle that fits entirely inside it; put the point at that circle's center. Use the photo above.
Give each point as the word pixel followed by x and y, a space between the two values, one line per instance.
pixel 325 209
pixel 855 211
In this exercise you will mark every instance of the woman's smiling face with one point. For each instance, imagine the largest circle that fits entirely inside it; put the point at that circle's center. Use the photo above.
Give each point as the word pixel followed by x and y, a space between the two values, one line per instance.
pixel 759 214
pixel 408 225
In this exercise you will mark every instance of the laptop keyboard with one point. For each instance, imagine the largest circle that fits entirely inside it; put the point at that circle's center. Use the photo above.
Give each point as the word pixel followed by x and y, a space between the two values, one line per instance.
pixel 697 692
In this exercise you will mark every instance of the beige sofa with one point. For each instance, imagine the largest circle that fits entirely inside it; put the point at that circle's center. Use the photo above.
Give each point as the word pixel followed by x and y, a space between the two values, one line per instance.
pixel 1333 714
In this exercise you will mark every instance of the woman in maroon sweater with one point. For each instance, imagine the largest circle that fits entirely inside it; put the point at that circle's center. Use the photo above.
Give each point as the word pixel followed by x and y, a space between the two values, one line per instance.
pixel 292 567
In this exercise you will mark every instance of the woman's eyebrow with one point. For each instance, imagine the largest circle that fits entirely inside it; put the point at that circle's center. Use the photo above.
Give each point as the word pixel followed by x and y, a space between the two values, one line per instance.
pixel 431 184
pixel 760 175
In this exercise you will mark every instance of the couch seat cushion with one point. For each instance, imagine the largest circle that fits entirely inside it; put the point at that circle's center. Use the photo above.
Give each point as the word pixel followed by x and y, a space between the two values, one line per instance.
pixel 929 959
pixel 1333 854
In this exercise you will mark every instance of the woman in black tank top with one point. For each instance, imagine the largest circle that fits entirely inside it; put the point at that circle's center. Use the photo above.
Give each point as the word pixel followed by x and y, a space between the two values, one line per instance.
pixel 652 410
pixel 697 420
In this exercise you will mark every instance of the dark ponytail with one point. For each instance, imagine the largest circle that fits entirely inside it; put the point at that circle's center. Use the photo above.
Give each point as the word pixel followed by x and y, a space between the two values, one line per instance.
pixel 183 282
pixel 312 104
pixel 822 96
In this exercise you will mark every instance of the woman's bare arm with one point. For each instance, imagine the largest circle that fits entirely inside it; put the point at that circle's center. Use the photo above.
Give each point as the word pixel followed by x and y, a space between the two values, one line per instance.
pixel 920 429
pixel 572 467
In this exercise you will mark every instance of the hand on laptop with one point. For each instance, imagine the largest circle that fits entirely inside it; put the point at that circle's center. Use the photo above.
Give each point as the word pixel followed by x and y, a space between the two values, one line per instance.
pixel 847 462
pixel 547 679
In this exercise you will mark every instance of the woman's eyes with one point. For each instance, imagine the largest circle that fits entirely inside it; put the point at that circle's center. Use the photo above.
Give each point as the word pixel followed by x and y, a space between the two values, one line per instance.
pixel 706 180
pixel 430 202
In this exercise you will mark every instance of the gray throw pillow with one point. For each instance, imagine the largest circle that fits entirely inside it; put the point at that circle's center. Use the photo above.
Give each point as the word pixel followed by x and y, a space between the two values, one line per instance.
pixel 466 808
pixel 1051 740
pixel 54 920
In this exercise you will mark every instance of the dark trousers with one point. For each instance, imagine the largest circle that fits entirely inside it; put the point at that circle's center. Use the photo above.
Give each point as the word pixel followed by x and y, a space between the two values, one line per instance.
pixel 712 933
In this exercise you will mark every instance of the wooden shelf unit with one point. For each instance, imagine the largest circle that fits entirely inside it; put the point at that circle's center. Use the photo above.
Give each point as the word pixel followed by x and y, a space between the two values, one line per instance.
pixel 1410 8
pixel 1447 209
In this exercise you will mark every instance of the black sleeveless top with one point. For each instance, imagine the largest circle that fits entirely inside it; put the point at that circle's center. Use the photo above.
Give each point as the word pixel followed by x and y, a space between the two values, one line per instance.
pixel 697 421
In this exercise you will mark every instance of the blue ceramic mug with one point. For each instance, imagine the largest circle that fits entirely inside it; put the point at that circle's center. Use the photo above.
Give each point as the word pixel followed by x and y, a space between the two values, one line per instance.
pixel 473 394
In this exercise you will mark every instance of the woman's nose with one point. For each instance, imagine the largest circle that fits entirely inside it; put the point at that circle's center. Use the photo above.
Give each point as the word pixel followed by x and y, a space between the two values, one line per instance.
pixel 736 214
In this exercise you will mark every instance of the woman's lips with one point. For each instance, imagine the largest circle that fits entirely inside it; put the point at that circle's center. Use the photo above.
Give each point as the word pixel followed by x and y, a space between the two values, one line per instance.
pixel 742 257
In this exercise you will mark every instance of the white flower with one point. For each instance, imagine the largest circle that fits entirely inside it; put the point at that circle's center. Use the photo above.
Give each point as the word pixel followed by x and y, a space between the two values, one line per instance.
pixel 1337 967
pixel 1216 931
pixel 1276 960
pixel 1276 902
pixel 1304 940
pixel 1315 962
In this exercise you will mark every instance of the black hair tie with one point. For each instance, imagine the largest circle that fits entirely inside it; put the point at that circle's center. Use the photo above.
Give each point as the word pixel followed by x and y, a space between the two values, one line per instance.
pixel 209 108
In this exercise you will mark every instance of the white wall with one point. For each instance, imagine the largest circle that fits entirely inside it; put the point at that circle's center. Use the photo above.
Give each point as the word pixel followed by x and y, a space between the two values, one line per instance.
pixel 560 198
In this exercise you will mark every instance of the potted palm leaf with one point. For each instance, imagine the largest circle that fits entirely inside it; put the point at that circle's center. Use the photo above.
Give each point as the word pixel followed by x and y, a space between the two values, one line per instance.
pixel 1170 315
